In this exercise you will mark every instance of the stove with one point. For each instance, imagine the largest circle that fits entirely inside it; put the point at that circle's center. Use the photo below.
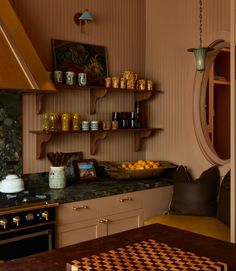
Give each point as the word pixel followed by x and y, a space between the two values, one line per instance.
pixel 21 198
pixel 27 224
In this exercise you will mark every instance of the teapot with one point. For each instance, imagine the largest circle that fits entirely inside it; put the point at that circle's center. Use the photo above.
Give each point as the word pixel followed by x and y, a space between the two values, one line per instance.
pixel 11 184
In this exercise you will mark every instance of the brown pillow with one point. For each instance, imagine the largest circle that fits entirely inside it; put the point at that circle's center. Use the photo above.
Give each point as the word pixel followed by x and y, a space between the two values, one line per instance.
pixel 195 197
pixel 223 209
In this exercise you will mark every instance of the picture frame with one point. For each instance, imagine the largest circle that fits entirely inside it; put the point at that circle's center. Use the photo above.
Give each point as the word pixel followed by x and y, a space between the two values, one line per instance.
pixel 87 170
pixel 81 58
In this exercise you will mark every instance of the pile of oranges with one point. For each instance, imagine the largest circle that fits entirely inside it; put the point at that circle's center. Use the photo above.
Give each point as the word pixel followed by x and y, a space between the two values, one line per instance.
pixel 140 165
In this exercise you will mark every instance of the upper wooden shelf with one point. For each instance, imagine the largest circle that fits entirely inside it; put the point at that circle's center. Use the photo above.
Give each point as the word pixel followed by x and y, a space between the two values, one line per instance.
pixel 139 134
pixel 96 93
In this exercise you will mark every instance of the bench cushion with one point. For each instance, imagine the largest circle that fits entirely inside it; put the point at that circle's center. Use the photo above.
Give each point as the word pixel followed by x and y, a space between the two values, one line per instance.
pixel 209 226
pixel 195 197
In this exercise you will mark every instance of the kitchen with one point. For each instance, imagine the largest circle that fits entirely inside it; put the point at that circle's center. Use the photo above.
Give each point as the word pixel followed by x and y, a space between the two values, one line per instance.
pixel 146 30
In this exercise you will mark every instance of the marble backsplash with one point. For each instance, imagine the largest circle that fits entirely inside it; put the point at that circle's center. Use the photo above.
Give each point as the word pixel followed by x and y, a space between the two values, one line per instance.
pixel 10 133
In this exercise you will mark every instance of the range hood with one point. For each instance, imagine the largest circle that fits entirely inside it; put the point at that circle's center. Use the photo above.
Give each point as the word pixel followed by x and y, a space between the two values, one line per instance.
pixel 20 65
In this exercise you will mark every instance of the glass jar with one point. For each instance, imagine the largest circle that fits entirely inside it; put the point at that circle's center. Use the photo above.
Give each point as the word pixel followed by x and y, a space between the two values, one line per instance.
pixel 65 122
pixel 54 122
pixel 46 122
pixel 75 121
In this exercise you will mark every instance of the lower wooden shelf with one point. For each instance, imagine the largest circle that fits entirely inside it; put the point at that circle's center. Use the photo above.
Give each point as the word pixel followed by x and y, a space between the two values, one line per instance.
pixel 43 137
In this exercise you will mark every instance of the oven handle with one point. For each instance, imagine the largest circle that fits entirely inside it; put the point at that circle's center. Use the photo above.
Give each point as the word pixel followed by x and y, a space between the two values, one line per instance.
pixel 30 235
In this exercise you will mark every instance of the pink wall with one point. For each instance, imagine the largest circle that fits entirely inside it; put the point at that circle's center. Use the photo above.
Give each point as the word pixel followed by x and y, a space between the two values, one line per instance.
pixel 149 37
pixel 118 25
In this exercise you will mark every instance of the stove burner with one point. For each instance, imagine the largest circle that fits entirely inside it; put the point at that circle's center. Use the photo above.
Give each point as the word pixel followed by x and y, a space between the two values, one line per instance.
pixel 25 197
pixel 25 200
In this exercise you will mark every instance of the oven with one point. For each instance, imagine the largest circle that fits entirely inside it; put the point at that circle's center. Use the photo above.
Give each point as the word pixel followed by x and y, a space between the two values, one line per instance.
pixel 26 231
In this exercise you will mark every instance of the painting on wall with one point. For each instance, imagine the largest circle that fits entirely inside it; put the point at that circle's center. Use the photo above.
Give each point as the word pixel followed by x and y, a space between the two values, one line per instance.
pixel 81 58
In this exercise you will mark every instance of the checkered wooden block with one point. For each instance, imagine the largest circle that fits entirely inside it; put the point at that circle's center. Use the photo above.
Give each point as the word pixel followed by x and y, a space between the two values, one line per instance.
pixel 146 255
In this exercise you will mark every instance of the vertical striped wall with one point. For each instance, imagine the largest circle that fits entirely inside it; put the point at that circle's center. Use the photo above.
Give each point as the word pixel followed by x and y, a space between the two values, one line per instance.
pixel 118 25
pixel 150 37
pixel 171 28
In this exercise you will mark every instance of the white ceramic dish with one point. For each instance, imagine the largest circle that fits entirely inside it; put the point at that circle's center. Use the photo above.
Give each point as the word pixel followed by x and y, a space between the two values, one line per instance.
pixel 12 184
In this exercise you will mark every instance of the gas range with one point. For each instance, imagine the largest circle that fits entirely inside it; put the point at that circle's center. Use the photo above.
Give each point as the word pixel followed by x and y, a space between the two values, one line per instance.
pixel 29 208
pixel 27 224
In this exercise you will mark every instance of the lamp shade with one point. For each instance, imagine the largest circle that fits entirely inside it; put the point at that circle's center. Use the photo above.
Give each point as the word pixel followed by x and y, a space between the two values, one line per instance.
pixel 200 56
pixel 86 16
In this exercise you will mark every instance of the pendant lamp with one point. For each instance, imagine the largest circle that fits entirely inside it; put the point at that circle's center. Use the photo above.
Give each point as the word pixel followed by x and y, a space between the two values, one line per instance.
pixel 201 52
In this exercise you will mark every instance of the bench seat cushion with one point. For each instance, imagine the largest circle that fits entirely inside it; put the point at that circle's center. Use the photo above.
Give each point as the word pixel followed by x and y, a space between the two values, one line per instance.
pixel 209 226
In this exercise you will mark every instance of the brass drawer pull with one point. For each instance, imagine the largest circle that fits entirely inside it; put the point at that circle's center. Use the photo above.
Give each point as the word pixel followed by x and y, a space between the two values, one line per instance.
pixel 104 221
pixel 125 199
pixel 80 207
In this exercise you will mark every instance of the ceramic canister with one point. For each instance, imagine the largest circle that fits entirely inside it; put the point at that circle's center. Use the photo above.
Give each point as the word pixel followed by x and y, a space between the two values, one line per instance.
pixel 57 178
pixel 82 79
pixel 85 125
pixel 70 78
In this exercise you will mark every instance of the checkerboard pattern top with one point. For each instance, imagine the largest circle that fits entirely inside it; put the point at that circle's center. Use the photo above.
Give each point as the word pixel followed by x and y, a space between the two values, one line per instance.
pixel 144 256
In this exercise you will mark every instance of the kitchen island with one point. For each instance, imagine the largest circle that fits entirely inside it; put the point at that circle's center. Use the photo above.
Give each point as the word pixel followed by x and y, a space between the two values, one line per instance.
pixel 57 260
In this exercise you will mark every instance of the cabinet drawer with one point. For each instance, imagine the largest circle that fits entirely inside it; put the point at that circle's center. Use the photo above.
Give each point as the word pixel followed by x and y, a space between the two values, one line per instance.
pixel 77 211
pixel 120 203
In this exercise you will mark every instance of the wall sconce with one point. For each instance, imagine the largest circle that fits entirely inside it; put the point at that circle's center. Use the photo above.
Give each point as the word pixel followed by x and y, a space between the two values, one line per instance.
pixel 82 18
pixel 201 52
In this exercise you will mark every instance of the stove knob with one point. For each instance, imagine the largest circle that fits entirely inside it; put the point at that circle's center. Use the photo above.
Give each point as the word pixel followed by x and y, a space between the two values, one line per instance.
pixel 3 223
pixel 29 217
pixel 45 215
pixel 16 220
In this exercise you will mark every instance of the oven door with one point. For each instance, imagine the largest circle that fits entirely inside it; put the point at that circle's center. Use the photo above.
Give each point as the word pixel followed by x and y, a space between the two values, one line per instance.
pixel 24 242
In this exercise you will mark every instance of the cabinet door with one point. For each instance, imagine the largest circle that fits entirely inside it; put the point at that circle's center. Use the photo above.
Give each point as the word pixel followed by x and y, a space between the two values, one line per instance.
pixel 78 232
pixel 121 222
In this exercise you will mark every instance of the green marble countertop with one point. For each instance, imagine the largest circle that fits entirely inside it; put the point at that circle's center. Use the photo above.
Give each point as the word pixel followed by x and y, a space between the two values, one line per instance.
pixel 103 188
pixel 92 189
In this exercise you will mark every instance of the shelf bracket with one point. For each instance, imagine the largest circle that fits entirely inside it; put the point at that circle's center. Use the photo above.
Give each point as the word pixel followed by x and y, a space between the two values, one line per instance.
pixel 139 136
pixel 39 102
pixel 40 140
pixel 143 95
pixel 96 94
pixel 94 138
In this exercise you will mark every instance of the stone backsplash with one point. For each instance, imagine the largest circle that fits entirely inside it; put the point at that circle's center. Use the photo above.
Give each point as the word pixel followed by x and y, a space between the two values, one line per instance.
pixel 10 133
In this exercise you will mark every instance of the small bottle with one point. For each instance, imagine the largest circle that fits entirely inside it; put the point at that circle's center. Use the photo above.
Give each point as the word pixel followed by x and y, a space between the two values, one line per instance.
pixel 138 121
pixel 132 120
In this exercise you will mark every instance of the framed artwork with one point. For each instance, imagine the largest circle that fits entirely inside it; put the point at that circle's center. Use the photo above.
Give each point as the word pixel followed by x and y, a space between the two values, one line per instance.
pixel 86 170
pixel 81 58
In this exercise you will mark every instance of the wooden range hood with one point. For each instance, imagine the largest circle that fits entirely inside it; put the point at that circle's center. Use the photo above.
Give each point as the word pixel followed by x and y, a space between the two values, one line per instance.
pixel 20 65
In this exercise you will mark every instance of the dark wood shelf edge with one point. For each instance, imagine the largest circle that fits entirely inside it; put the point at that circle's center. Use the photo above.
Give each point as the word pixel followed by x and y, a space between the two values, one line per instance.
pixel 95 136
pixel 96 93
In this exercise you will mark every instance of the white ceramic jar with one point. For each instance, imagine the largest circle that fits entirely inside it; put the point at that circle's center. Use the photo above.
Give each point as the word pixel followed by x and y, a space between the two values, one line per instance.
pixel 57 178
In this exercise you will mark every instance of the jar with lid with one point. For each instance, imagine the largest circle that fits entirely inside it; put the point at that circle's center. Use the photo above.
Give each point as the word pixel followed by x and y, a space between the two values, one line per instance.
pixel 65 121
pixel 75 121
pixel 46 122
pixel 54 125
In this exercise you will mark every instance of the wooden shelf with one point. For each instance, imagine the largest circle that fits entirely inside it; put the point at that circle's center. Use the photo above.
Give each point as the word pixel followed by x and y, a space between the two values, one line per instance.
pixel 96 93
pixel 221 82
pixel 95 136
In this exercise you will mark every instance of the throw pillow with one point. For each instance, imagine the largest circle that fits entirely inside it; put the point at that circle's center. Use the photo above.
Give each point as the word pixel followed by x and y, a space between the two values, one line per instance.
pixel 223 209
pixel 195 197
